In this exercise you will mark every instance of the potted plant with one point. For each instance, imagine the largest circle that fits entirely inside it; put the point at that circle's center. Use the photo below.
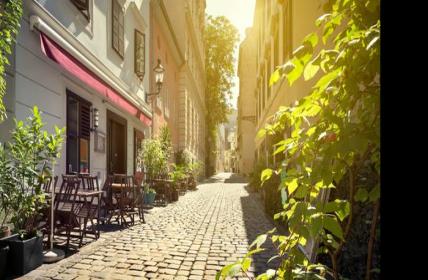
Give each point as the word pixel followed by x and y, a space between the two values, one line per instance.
pixel 149 196
pixel 178 177
pixel 193 171
pixel 30 155
pixel 152 157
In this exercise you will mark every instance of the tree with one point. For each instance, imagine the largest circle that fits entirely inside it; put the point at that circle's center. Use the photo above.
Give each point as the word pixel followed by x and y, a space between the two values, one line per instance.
pixel 220 39
pixel 10 16
pixel 334 144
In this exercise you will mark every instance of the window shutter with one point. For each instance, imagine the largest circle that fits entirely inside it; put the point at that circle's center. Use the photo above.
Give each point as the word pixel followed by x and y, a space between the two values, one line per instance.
pixel 85 120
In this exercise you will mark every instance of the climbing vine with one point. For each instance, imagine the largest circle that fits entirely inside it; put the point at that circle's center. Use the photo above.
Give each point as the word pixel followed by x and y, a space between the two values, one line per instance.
pixel 10 16
pixel 334 141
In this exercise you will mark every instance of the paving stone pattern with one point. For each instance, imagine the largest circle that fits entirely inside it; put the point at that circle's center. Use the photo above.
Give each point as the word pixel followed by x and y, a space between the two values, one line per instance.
pixel 189 239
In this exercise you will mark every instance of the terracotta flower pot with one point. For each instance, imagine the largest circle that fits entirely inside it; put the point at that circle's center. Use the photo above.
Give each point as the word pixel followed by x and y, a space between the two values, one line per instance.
pixel 4 232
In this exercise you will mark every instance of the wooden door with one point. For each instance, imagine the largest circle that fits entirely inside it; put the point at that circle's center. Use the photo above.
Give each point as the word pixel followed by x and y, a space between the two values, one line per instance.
pixel 116 138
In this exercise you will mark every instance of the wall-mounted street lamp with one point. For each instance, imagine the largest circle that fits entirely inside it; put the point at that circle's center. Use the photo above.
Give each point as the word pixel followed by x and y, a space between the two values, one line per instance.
pixel 95 119
pixel 159 75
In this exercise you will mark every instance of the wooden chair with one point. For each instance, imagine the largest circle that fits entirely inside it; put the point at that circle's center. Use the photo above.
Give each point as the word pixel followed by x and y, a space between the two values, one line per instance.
pixel 126 199
pixel 48 183
pixel 139 194
pixel 67 207
pixel 108 207
pixel 90 209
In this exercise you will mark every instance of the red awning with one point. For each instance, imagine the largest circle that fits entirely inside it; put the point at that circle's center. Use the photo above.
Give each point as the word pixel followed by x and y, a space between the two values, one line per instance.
pixel 55 52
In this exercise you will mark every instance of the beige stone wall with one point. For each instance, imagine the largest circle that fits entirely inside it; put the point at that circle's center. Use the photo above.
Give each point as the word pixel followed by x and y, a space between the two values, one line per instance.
pixel 280 28
pixel 183 34
pixel 246 103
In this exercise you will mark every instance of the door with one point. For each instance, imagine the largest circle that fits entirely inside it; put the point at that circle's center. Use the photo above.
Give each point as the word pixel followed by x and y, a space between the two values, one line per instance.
pixel 116 143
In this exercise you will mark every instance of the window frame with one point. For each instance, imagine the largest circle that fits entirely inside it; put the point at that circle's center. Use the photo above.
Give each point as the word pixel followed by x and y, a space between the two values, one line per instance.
pixel 81 102
pixel 76 4
pixel 120 52
pixel 138 33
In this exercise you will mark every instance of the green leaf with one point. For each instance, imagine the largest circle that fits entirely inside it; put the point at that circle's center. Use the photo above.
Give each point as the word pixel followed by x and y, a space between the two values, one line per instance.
pixel 310 71
pixel 312 39
pixel 274 78
pixel 280 149
pixel 291 186
pixel 322 19
pixel 332 225
pixel 261 133
pixel 297 71
pixel 361 195
pixel 311 131
pixel 374 194
pixel 246 263
pixel 231 269
pixel 328 30
pixel 266 174
pixel 372 42
pixel 259 241
pixel 325 81
pixel 316 224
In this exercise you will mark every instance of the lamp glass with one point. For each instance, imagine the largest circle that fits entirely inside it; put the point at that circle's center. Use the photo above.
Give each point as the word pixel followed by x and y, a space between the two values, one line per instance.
pixel 159 72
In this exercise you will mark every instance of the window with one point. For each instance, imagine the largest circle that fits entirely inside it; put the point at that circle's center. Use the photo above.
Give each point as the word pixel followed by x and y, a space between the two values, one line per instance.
pixel 118 28
pixel 139 54
pixel 78 133
pixel 83 7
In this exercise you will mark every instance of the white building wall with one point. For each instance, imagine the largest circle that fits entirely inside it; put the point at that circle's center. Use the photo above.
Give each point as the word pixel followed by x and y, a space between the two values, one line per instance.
pixel 37 80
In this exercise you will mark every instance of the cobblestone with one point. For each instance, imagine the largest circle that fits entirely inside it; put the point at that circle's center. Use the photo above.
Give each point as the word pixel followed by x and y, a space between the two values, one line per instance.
pixel 189 239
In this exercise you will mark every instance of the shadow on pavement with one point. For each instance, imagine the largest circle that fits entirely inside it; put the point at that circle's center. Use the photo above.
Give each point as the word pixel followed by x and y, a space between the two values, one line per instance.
pixel 235 179
pixel 258 222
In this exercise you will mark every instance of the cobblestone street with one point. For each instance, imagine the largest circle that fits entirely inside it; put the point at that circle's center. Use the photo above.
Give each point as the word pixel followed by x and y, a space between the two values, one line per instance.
pixel 189 239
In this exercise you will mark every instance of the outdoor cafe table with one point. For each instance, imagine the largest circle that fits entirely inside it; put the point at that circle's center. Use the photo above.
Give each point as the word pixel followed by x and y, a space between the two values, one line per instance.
pixel 87 197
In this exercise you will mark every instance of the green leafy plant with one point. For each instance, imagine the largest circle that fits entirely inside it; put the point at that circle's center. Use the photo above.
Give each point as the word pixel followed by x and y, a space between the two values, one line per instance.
pixel 178 174
pixel 165 140
pixel 10 16
pixel 7 185
pixel 29 158
pixel 334 139
pixel 153 158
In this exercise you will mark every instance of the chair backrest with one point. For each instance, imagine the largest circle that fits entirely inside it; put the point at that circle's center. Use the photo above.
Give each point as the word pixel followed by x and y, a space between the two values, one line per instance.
pixel 68 191
pixel 90 182
pixel 126 186
pixel 48 184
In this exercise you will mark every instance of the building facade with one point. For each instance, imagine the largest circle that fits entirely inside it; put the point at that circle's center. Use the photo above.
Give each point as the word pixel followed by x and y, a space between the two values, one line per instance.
pixel 83 63
pixel 279 26
pixel 177 40
pixel 246 103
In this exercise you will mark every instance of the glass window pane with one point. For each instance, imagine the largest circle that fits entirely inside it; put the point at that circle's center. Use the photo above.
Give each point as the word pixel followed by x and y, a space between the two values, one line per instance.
pixel 84 155
pixel 72 116
pixel 72 154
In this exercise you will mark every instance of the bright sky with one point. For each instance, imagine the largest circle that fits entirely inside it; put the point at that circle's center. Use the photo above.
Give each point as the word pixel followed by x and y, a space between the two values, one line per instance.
pixel 240 13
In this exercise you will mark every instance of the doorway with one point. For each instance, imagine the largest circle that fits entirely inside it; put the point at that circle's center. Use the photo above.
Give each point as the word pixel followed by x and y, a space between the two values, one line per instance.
pixel 116 144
